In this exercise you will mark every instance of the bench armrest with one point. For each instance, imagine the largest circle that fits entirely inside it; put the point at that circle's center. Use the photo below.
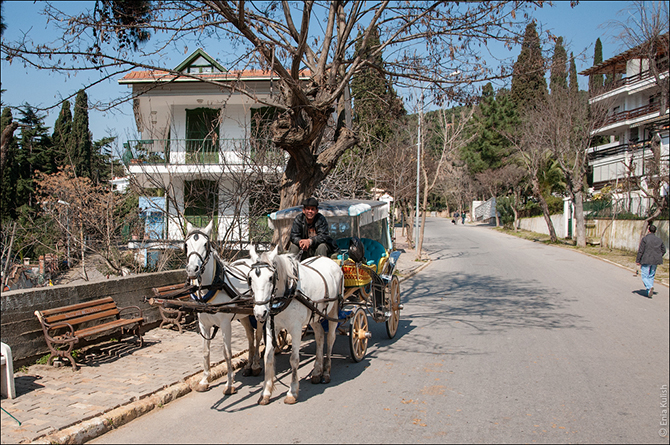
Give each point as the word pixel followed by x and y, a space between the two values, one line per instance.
pixel 67 337
pixel 134 309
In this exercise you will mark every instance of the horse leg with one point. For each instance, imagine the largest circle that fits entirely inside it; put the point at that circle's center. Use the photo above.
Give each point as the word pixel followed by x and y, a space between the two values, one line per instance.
pixel 268 383
pixel 203 385
pixel 226 332
pixel 317 372
pixel 253 365
pixel 292 396
pixel 332 333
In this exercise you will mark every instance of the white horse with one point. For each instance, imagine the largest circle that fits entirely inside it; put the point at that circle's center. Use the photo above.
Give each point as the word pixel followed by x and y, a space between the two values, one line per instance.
pixel 205 267
pixel 278 283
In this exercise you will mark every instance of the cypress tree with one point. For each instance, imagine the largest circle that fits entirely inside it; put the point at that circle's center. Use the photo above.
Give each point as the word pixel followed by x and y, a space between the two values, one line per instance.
pixel 10 171
pixel 61 134
pixel 33 154
pixel 558 75
pixel 375 102
pixel 79 145
pixel 528 83
pixel 572 78
pixel 596 80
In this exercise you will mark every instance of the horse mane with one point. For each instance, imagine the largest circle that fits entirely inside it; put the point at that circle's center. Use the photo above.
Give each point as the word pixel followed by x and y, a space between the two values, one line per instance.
pixel 285 264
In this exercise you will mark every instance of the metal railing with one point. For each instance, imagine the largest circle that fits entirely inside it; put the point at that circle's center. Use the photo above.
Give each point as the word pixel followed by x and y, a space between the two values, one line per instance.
pixel 181 151
pixel 630 114
pixel 617 83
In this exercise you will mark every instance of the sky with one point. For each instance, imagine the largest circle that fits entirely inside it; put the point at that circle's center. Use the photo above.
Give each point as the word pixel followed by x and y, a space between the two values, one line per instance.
pixel 579 26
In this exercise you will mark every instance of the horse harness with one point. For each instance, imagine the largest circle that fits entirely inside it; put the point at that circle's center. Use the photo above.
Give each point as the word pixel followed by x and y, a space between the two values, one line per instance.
pixel 219 282
pixel 278 304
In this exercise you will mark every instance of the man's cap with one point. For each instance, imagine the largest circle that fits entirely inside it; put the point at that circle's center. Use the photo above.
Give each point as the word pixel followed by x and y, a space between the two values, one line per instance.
pixel 310 202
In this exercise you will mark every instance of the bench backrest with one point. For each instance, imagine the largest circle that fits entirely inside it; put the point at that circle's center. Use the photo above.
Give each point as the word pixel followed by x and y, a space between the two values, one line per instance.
pixel 79 313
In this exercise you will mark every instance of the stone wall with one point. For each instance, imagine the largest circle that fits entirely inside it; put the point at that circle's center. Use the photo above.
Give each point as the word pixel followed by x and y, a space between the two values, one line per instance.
pixel 22 331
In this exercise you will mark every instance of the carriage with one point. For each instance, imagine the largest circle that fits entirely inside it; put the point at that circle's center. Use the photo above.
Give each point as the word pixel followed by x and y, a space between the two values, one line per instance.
pixel 371 289
pixel 280 290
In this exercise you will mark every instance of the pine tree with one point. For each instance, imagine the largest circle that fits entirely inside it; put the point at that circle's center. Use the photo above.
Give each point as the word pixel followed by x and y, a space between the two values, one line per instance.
pixel 61 134
pixel 528 83
pixel 495 117
pixel 34 154
pixel 596 80
pixel 558 75
pixel 79 145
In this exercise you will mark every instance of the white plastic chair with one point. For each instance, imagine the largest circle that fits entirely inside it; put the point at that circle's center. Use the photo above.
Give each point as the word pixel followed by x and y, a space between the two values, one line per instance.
pixel 8 389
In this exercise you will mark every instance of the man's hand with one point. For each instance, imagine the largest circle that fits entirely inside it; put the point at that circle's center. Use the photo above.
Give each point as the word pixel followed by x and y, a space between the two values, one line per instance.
pixel 305 243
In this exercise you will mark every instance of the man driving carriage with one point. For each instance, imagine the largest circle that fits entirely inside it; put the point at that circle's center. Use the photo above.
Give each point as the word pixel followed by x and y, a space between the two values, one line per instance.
pixel 309 232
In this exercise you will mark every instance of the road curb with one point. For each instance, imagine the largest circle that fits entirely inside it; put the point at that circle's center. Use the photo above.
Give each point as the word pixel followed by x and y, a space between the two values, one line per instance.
pixel 107 421
pixel 413 272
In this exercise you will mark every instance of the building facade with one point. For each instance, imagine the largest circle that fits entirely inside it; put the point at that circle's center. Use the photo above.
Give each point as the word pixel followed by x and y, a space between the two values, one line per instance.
pixel 197 133
pixel 634 127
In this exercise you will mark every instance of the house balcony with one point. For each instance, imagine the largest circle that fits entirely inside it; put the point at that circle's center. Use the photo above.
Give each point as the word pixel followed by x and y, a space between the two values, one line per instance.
pixel 633 117
pixel 184 151
pixel 616 149
pixel 630 83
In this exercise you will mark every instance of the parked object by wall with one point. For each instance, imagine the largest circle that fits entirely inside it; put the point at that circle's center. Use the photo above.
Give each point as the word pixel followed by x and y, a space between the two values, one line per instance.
pixel 22 331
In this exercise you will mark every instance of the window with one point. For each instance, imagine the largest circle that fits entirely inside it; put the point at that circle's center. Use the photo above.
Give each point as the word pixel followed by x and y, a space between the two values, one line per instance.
pixel 202 136
pixel 201 202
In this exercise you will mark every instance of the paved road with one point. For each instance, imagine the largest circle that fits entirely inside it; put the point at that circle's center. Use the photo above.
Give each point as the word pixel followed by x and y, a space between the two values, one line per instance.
pixel 501 340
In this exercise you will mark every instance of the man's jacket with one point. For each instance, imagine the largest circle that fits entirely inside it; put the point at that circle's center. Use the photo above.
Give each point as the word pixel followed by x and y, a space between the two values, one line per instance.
pixel 299 231
pixel 651 250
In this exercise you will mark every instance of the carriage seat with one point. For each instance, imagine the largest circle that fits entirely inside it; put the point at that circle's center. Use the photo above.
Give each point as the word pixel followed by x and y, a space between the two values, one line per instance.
pixel 375 254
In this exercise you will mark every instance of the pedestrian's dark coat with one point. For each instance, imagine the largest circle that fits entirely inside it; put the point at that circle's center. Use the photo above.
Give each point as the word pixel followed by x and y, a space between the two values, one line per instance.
pixel 651 250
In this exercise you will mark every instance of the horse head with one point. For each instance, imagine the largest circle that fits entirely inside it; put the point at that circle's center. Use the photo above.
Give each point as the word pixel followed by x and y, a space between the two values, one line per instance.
pixel 198 249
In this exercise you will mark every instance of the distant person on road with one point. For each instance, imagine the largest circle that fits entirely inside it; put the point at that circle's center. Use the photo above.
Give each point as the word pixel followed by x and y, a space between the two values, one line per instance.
pixel 649 255
pixel 309 232
pixel 462 217
pixel 455 218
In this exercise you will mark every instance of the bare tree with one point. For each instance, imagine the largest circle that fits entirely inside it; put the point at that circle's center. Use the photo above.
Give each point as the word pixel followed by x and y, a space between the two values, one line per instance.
pixel 451 133
pixel 428 42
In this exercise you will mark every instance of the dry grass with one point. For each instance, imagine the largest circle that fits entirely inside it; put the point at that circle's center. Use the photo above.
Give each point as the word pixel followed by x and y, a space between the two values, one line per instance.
pixel 623 258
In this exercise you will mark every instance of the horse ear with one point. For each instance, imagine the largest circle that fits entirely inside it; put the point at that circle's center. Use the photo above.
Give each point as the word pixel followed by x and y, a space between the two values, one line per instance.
pixel 272 255
pixel 208 230
pixel 252 253
pixel 189 226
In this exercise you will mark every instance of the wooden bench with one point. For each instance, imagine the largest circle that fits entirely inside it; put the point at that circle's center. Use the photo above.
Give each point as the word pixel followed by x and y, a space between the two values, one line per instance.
pixel 172 316
pixel 65 326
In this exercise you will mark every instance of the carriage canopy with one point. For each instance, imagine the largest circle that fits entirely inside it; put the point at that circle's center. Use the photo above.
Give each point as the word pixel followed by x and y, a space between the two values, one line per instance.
pixel 346 218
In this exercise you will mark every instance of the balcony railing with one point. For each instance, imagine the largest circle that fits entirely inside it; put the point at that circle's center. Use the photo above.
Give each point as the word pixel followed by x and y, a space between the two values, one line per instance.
pixel 181 151
pixel 630 80
pixel 622 116
pixel 619 149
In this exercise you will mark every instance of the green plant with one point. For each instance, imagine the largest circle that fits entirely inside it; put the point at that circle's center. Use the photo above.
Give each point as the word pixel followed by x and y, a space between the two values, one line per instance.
pixel 43 360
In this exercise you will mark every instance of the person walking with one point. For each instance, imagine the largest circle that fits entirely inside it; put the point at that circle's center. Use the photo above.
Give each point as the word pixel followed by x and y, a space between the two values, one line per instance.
pixel 649 255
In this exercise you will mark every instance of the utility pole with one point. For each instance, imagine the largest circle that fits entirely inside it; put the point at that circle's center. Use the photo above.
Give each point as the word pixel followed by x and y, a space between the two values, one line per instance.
pixel 418 176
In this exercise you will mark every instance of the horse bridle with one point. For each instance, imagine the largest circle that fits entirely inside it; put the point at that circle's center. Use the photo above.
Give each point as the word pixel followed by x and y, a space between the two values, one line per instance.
pixel 208 250
pixel 256 268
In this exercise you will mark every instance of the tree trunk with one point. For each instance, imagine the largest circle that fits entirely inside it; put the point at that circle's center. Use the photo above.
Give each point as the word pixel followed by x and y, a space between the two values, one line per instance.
pixel 424 205
pixel 545 209
pixel 579 223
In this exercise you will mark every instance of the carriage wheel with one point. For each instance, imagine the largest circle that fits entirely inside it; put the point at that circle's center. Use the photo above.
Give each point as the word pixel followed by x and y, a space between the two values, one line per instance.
pixel 393 304
pixel 283 341
pixel 358 335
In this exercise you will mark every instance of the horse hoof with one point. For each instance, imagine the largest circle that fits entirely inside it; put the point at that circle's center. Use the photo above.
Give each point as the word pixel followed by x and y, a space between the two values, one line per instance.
pixel 229 391
pixel 325 379
pixel 201 387
pixel 290 400
pixel 264 400
pixel 256 372
pixel 316 379
pixel 246 372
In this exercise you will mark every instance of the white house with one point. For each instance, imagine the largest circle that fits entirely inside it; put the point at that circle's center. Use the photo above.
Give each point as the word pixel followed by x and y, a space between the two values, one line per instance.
pixel 197 133
pixel 634 118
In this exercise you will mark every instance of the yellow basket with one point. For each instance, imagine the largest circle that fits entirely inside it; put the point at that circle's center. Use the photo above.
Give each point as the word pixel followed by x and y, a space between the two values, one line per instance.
pixel 355 276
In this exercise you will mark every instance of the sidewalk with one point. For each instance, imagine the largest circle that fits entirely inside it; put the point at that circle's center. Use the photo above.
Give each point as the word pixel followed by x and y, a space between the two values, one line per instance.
pixel 119 382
